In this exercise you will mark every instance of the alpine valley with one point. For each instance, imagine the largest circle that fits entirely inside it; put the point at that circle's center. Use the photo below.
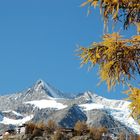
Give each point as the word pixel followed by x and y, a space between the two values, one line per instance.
pixel 44 102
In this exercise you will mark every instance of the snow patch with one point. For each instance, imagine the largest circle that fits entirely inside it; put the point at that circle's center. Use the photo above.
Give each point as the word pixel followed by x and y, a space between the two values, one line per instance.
pixel 91 106
pixel 14 112
pixel 8 121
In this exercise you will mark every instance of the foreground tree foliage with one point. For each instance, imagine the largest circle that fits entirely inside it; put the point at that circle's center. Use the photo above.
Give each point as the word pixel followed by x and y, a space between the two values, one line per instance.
pixel 118 58
pixel 134 96
pixel 80 128
pixel 51 126
pixel 126 11
pixel 122 136
pixel 30 128
pixel 96 133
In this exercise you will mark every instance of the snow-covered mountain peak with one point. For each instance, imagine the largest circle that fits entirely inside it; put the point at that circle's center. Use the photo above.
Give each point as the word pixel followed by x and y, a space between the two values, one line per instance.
pixel 39 85
pixel 91 97
pixel 43 87
pixel 88 95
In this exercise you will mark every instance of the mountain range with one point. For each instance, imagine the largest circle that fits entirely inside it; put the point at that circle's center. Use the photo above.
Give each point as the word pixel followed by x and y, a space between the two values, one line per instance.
pixel 44 102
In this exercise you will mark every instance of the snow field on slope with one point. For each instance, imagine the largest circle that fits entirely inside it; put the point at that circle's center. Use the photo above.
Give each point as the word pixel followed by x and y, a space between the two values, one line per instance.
pixel 46 104
pixel 124 117
pixel 121 114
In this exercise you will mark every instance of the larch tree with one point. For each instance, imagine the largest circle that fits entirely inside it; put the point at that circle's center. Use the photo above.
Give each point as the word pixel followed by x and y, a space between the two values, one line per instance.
pixel 118 58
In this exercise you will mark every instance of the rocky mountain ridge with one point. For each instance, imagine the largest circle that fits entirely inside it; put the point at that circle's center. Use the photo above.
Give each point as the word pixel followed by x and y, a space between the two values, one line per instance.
pixel 44 102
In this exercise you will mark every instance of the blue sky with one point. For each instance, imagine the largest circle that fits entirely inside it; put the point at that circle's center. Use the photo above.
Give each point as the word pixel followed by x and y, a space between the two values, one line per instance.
pixel 38 39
